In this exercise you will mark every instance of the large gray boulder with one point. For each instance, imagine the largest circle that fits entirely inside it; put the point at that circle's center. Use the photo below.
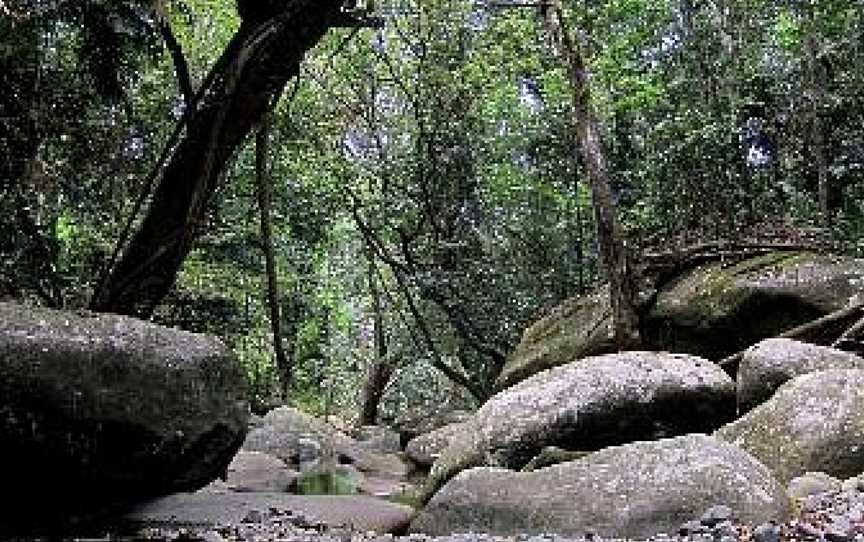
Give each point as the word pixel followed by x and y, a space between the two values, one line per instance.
pixel 772 362
pixel 635 490
pixel 814 422
pixel 712 310
pixel 99 411
pixel 588 405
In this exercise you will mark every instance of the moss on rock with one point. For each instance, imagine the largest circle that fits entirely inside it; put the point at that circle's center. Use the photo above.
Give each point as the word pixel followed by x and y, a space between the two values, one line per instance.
pixel 711 311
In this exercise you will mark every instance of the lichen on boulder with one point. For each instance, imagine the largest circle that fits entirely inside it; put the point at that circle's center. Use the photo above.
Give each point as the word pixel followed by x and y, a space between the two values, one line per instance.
pixel 636 491
pixel 767 365
pixel 590 404
pixel 711 310
pixel 814 422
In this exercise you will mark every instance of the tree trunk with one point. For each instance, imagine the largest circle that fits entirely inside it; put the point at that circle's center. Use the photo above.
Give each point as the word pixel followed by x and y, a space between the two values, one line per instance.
pixel 254 69
pixel 613 249
pixel 381 368
pixel 816 98
pixel 20 93
pixel 262 180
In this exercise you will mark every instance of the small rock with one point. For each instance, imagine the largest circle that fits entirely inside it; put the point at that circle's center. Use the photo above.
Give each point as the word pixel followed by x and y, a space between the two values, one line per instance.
pixel 715 515
pixel 816 502
pixel 309 451
pixel 832 535
pixel 839 529
pixel 184 534
pixel 724 529
pixel 811 483
pixel 254 516
pixel 856 513
pixel 809 530
pixel 211 536
pixel 856 483
pixel 767 532
pixel 692 527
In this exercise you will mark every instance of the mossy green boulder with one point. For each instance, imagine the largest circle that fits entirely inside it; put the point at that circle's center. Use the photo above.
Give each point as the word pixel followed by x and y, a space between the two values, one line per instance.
pixel 712 310
pixel 814 422
pixel 577 328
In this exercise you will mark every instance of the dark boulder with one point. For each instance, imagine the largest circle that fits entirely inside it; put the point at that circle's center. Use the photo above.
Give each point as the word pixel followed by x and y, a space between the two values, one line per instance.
pixel 98 412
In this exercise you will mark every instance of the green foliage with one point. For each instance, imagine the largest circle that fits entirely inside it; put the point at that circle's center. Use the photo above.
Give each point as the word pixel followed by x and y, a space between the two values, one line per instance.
pixel 787 31
pixel 449 134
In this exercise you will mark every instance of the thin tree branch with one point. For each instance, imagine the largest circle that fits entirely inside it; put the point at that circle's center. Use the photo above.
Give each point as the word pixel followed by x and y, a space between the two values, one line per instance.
pixel 376 245
pixel 181 66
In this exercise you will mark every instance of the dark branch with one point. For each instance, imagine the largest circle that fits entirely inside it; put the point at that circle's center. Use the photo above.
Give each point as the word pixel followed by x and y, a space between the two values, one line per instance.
pixel 181 67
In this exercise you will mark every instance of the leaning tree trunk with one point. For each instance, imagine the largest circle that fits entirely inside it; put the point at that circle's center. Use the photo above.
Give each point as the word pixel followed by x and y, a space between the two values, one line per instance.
pixel 610 238
pixel 253 70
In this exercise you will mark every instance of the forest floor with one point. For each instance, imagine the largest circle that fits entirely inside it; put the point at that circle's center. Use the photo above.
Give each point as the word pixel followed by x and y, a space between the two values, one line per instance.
pixel 835 516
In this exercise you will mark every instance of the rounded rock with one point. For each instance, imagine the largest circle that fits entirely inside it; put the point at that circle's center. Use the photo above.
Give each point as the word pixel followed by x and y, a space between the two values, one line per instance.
pixel 715 515
pixel 99 412
pixel 767 532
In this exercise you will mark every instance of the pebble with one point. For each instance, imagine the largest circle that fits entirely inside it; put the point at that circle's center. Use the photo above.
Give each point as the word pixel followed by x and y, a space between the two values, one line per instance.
pixel 809 530
pixel 725 529
pixel 211 536
pixel 767 532
pixel 254 516
pixel 692 527
pixel 716 514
